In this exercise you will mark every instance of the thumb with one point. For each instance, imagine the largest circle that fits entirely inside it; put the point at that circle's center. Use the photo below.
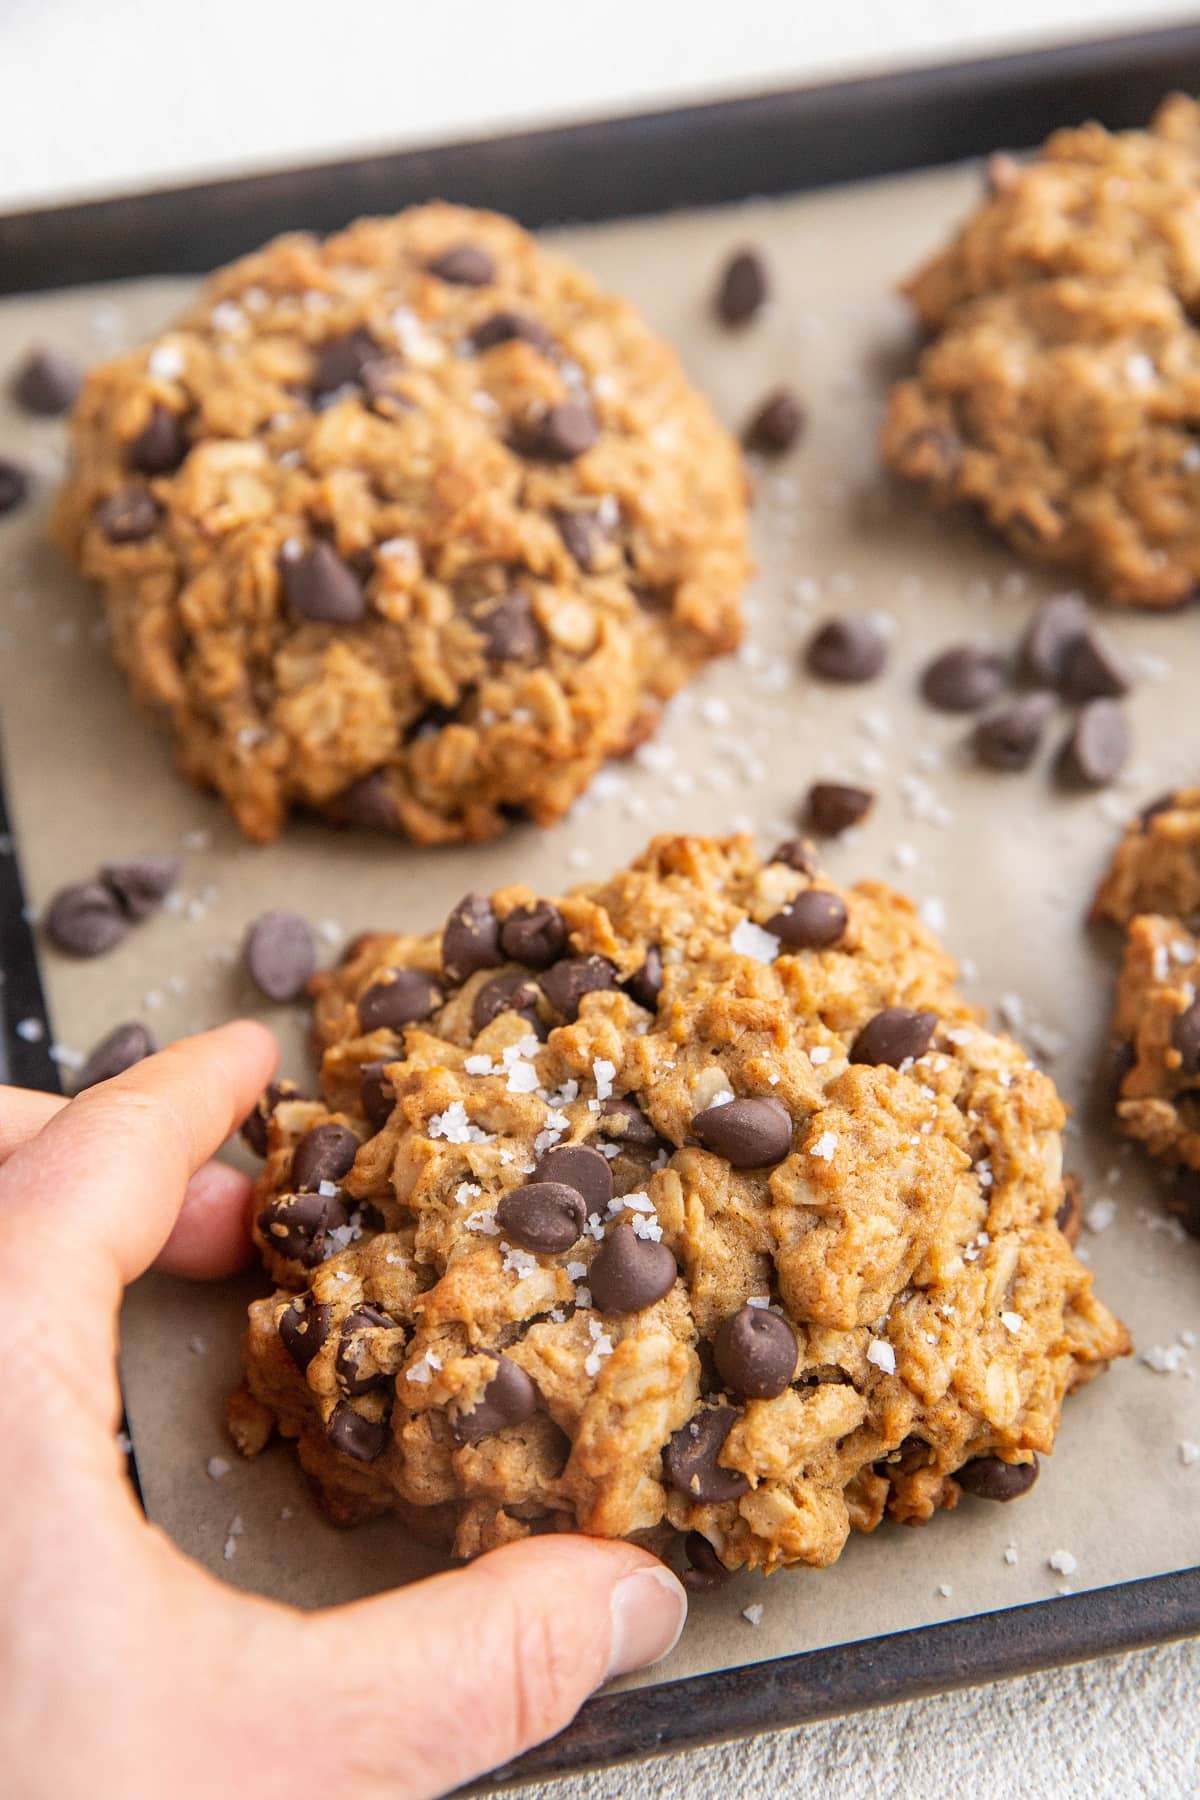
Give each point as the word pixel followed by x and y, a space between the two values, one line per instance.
pixel 437 1683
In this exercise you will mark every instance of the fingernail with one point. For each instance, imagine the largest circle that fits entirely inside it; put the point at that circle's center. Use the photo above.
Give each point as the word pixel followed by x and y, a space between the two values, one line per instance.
pixel 649 1609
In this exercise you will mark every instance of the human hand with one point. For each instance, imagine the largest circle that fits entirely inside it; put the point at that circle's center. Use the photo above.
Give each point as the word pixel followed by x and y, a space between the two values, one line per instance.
pixel 126 1670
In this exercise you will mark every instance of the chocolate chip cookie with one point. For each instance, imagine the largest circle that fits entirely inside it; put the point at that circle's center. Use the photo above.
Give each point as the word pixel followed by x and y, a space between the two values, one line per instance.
pixel 1060 395
pixel 413 526
pixel 696 1201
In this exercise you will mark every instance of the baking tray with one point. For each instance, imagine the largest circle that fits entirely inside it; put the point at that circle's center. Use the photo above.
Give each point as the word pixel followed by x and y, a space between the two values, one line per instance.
pixel 699 156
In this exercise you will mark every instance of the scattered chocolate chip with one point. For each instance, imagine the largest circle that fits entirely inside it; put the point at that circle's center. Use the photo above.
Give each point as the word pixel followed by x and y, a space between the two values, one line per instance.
pixel 318 585
pixel 756 1353
pixel 303 1326
pixel 1185 1036
pixel 629 1273
pixel 129 516
pixel 279 955
pixel 119 1050
pixel 343 361
pixel 742 289
pixel 990 1478
pixel 471 938
pixel 566 982
pixel 47 383
pixel 534 935
pixel 509 630
pixel 545 1216
pixel 560 434
pixel 964 678
pixel 354 1435
pixel 505 327
pixel 624 1122
pixel 835 806
pixel 14 485
pixel 796 854
pixel 847 649
pixel 1010 738
pixel 509 992
pixel 750 1134
pixel 583 534
pixel 893 1036
pixel 509 1398
pixel 812 921
pixel 705 1569
pixel 296 1225
pixel 466 265
pixel 690 1458
pixel 368 802
pixel 1098 747
pixel 1095 668
pixel 375 1093
pixel 325 1153
pixel 774 427
pixel 354 1378
pixel 1050 636
pixel 254 1125
pixel 1069 1217
pixel 141 884
pixel 405 998
pixel 580 1167
pixel 85 919
pixel 161 446
pixel 1183 1201
pixel 646 983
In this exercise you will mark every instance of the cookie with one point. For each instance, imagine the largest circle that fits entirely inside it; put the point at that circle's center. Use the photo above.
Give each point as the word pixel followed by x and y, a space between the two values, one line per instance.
pixel 412 527
pixel 1156 868
pixel 1060 393
pixel 1156 1031
pixel 696 1201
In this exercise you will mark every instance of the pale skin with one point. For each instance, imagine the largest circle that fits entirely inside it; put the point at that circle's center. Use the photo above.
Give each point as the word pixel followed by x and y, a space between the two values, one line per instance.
pixel 127 1671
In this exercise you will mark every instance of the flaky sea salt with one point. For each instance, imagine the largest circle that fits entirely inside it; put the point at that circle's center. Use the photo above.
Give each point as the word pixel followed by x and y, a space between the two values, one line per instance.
pixel 749 939
pixel 467 1190
pixel 217 1467
pixel 165 361
pixel 1012 1322
pixel 825 1146
pixel 602 1346
pixel 1189 1453
pixel 517 1262
pixel 455 1127
pixel 1100 1215
pixel 423 1369
pixel 753 1614
pixel 479 1065
pixel 1164 1359
pixel 882 1355
pixel 484 1220
pixel 603 1072
pixel 1063 1563
pixel 819 1055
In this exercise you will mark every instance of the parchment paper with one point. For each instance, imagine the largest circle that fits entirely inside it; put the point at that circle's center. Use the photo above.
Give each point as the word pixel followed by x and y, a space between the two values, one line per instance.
pixel 1006 861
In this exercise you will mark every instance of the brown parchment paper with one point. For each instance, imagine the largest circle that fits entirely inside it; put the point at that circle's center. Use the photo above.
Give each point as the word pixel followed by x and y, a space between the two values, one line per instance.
pixel 1004 866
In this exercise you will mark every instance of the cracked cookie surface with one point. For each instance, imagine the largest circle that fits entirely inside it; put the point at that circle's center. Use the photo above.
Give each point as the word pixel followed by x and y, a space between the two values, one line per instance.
pixel 413 526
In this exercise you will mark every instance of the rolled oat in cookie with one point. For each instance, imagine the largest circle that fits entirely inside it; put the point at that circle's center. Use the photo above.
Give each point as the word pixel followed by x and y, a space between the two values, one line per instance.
pixel 412 527
pixel 756 1252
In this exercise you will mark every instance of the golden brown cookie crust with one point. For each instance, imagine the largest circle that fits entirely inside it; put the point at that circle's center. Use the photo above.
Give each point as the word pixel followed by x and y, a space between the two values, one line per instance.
pixel 1156 865
pixel 1060 395
pixel 444 472
pixel 903 1231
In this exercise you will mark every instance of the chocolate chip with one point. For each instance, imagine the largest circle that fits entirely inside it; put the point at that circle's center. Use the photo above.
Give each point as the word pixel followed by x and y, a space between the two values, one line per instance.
pixel 705 1569
pixel 354 1435
pixel 254 1125
pixel 296 1225
pixel 405 998
pixel 1052 633
pixel 796 854
pixel 534 935
pixel 279 955
pixel 812 921
pixel 756 1353
pixel 354 1378
pixel 128 516
pixel 318 585
pixel 471 938
pixel 566 982
pixel 1185 1036
pixel 14 485
pixel 509 630
pixel 1183 1201
pixel 990 1478
pixel 583 535
pixel 582 1168
pixel 847 649
pixel 303 1326
pixel 774 427
pixel 893 1036
pixel 1165 803
pixel 325 1153
pixel 375 1093
pixel 509 992
pixel 368 802
pixel 466 265
pixel 546 1216
pixel 560 434
pixel 1098 747
pixel 835 806
pixel 120 1050
pixel 1010 738
pixel 750 1134
pixel 47 382
pixel 624 1122
pixel 161 445
pixel 506 327
pixel 964 678
pixel 690 1458
pixel 1069 1217
pixel 343 361
pixel 85 919
pixel 1094 668
pixel 142 884
pixel 646 983
pixel 629 1273
pixel 509 1398
pixel 742 289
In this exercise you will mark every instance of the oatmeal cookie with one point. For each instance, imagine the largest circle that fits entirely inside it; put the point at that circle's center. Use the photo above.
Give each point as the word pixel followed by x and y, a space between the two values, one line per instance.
pixel 1156 868
pixel 413 526
pixel 1061 392
pixel 697 1201
pixel 1156 1028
